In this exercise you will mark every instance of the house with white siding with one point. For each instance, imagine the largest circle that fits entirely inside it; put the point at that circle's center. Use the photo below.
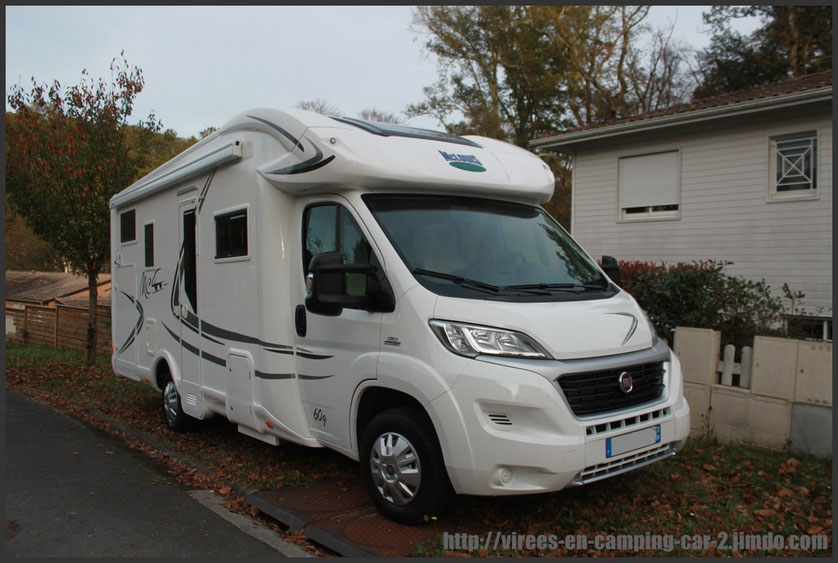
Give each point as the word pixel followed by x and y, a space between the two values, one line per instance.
pixel 744 177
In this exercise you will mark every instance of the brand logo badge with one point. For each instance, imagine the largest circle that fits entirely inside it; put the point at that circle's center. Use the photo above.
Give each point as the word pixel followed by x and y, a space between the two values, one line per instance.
pixel 463 161
pixel 626 382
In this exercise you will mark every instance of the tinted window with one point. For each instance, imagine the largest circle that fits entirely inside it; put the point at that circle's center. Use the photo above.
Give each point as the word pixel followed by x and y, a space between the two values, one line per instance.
pixel 320 227
pixel 149 245
pixel 231 234
pixel 331 227
pixel 128 226
pixel 190 266
pixel 455 244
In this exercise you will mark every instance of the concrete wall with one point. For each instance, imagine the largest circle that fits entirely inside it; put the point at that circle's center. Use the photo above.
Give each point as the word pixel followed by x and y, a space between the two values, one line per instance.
pixel 788 404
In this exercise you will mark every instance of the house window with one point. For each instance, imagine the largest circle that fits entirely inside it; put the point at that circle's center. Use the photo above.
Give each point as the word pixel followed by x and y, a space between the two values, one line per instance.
pixel 128 226
pixel 650 186
pixel 793 170
pixel 231 234
pixel 149 245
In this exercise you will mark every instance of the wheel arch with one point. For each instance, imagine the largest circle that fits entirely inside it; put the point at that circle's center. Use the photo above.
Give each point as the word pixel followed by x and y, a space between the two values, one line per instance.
pixel 163 363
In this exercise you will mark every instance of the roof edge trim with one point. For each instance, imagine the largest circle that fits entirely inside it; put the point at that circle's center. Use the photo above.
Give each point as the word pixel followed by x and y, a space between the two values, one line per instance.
pixel 742 108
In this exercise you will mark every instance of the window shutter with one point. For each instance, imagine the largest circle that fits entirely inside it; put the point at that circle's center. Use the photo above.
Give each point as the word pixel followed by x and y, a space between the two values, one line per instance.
pixel 649 180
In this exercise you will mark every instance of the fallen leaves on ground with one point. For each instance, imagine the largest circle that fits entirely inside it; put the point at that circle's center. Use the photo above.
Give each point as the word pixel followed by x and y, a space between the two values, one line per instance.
pixel 706 489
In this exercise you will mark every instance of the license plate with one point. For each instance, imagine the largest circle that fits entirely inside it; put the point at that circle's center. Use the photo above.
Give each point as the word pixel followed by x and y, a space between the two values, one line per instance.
pixel 634 440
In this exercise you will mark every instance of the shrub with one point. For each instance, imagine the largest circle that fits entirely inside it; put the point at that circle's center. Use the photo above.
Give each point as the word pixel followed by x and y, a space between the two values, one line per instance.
pixel 701 295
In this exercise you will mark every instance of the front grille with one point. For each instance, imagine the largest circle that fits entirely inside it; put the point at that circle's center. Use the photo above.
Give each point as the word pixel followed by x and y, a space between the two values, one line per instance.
pixel 623 464
pixel 599 391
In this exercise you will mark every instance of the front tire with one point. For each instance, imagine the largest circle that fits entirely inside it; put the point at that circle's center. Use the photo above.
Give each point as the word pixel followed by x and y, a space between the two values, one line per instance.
pixel 176 419
pixel 402 466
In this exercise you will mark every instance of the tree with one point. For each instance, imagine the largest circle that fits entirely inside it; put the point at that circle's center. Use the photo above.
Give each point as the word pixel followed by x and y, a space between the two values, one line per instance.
pixel 67 153
pixel 372 114
pixel 792 41
pixel 25 250
pixel 522 72
pixel 207 132
pixel 318 105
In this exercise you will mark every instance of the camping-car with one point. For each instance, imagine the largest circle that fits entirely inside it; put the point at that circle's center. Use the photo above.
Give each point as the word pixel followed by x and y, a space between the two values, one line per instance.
pixel 395 294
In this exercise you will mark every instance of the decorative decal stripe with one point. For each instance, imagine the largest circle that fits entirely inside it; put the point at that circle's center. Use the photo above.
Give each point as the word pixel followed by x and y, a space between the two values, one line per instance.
pixel 315 376
pixel 282 131
pixel 313 356
pixel 170 331
pixel 312 163
pixel 262 375
pixel 288 352
pixel 315 166
pixel 189 347
pixel 214 359
pixel 175 297
pixel 207 328
pixel 136 330
pixel 631 329
pixel 183 342
pixel 191 323
pixel 206 189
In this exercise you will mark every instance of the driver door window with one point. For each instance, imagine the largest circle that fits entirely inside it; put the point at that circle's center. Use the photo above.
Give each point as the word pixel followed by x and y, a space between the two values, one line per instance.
pixel 331 227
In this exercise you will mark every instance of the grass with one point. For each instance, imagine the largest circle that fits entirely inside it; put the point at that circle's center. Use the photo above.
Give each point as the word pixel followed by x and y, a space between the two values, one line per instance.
pixel 20 356
pixel 707 488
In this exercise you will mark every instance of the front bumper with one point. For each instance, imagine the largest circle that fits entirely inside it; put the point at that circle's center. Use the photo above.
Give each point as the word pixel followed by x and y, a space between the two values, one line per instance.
pixel 508 430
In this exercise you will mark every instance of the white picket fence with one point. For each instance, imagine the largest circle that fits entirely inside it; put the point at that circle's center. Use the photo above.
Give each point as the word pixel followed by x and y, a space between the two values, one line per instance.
pixel 778 396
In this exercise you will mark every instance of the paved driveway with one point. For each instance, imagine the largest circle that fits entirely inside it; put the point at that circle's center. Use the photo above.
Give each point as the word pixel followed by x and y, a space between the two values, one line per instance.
pixel 74 491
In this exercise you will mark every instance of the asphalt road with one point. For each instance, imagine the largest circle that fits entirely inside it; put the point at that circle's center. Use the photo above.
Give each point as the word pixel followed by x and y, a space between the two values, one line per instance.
pixel 74 491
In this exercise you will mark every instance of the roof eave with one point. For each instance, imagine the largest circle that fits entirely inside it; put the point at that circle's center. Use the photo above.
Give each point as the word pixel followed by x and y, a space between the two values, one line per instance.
pixel 563 142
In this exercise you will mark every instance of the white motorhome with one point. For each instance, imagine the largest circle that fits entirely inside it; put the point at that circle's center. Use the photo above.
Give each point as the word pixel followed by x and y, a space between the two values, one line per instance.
pixel 394 294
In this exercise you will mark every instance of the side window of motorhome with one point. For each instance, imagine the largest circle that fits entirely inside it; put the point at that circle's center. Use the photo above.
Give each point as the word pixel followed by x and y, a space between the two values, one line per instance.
pixel 128 226
pixel 149 245
pixel 231 234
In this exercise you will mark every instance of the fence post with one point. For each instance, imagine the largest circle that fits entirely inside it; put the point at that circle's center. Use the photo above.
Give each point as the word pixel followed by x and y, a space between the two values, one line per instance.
pixel 747 361
pixel 25 316
pixel 727 372
pixel 55 331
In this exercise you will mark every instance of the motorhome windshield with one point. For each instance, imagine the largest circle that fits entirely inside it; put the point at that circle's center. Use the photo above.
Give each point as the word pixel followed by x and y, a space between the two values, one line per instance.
pixel 487 249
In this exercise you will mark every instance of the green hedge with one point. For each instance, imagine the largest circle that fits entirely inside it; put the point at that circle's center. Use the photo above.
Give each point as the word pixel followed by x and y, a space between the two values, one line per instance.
pixel 701 295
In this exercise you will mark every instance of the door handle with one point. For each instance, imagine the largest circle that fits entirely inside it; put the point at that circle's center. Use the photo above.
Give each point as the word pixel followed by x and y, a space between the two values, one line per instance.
pixel 184 312
pixel 300 320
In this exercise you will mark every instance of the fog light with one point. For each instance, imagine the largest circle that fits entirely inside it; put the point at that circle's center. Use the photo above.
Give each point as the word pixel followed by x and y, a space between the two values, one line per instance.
pixel 506 476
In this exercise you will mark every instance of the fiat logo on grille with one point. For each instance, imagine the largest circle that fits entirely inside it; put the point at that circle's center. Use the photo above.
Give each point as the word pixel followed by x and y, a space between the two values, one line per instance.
pixel 626 382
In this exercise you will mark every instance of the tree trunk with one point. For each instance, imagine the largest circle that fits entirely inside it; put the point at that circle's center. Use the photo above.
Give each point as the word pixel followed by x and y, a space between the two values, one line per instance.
pixel 92 310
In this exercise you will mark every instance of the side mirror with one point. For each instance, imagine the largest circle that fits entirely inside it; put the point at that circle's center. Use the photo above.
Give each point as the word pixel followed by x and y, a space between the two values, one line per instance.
pixel 612 269
pixel 333 285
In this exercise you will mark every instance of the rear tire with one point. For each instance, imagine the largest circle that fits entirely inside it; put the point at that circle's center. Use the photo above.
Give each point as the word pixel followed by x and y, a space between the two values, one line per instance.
pixel 176 419
pixel 402 466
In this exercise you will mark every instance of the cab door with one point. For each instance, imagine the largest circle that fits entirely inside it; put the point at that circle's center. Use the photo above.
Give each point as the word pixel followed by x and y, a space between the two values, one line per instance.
pixel 334 352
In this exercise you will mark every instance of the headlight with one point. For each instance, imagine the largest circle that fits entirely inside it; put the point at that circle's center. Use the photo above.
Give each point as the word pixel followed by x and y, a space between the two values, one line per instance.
pixel 470 340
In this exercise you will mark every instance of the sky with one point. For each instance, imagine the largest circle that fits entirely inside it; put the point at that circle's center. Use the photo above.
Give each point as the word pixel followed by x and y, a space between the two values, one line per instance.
pixel 203 65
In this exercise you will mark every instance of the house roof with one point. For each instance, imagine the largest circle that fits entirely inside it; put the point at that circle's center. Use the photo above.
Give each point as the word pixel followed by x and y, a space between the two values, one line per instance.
pixel 41 287
pixel 801 90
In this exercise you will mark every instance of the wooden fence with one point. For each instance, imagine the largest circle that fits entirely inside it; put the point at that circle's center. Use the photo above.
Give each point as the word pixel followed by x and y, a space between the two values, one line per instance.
pixel 64 326
pixel 779 396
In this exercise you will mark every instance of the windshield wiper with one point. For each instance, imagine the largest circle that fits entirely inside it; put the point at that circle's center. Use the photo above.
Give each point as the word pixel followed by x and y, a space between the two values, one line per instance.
pixel 459 280
pixel 477 284
pixel 571 287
